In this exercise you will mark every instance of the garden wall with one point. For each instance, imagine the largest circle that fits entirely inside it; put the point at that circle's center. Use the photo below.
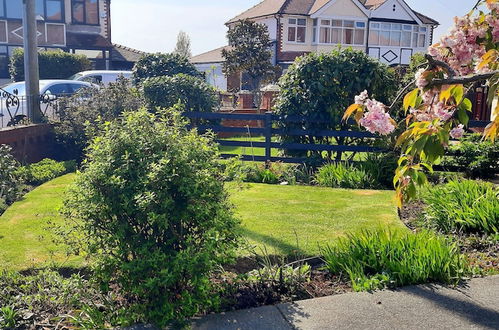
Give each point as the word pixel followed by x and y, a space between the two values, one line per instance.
pixel 30 143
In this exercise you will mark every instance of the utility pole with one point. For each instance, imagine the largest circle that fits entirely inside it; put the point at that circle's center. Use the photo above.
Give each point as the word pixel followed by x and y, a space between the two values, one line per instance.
pixel 31 73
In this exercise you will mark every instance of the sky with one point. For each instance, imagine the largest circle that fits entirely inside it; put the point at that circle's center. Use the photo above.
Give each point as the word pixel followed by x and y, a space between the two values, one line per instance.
pixel 153 25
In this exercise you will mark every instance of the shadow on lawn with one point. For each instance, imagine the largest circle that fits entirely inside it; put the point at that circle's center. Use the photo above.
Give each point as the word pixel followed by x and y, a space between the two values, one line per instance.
pixel 274 245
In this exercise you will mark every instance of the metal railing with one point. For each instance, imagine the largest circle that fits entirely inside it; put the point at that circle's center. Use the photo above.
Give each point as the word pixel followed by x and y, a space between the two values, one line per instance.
pixel 14 108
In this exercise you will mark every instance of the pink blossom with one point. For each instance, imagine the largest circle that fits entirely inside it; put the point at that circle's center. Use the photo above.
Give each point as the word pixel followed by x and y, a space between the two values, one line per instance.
pixel 376 120
pixel 361 99
pixel 457 132
pixel 421 82
pixel 441 112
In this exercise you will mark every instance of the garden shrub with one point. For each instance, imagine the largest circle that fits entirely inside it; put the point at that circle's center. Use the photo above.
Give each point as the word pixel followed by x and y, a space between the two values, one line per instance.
pixel 151 200
pixel 193 92
pixel 80 115
pixel 341 175
pixel 381 167
pixel 476 157
pixel 270 173
pixel 11 184
pixel 53 64
pixel 463 206
pixel 46 170
pixel 158 65
pixel 378 259
pixel 320 86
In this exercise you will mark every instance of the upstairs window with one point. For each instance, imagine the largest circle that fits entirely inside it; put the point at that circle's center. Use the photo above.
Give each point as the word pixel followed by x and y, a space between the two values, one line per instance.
pixel 342 32
pixel 50 10
pixel 297 30
pixel 399 35
pixel 85 12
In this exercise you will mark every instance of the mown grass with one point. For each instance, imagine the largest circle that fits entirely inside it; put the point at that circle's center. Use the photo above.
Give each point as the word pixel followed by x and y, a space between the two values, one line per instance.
pixel 284 219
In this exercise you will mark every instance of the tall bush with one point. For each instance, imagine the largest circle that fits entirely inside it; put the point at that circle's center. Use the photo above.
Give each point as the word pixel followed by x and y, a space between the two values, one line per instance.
pixel 193 92
pixel 53 64
pixel 80 115
pixel 152 201
pixel 157 65
pixel 10 181
pixel 320 86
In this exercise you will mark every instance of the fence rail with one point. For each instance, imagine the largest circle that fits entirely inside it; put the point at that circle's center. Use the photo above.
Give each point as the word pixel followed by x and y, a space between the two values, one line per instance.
pixel 268 131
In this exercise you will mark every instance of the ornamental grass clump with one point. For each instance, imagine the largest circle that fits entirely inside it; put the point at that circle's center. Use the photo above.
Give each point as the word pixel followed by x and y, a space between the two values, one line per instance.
pixel 151 207
pixel 464 206
pixel 344 176
pixel 378 259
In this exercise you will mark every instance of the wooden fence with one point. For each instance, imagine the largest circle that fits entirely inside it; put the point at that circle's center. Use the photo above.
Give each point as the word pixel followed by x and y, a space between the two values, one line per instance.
pixel 269 130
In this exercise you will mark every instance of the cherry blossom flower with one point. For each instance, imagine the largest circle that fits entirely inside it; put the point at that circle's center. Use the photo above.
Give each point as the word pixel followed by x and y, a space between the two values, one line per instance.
pixel 376 120
pixel 457 132
pixel 362 98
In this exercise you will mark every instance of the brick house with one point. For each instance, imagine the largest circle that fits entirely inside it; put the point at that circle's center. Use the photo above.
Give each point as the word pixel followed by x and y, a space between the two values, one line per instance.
pixel 76 26
pixel 388 30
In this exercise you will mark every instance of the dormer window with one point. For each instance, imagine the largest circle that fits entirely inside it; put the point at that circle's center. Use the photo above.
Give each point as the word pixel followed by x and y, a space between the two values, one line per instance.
pixel 297 30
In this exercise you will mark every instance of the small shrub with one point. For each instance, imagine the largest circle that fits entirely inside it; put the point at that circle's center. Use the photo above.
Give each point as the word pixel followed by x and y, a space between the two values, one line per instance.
pixel 11 184
pixel 46 170
pixel 463 206
pixel 151 200
pixel 342 175
pixel 193 92
pixel 476 157
pixel 270 173
pixel 158 65
pixel 80 116
pixel 53 64
pixel 374 260
pixel 381 168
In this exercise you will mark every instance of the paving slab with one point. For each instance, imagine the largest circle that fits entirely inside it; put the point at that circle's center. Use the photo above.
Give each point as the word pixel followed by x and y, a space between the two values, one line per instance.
pixel 262 318
pixel 472 306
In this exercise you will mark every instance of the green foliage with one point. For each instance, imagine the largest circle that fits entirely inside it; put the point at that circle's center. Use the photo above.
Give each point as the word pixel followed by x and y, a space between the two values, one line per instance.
pixel 152 202
pixel 193 92
pixel 270 173
pixel 11 184
pixel 158 65
pixel 250 52
pixel 374 260
pixel 183 46
pixel 44 171
pixel 80 115
pixel 53 64
pixel 381 167
pixel 463 206
pixel 319 86
pixel 476 157
pixel 418 61
pixel 340 175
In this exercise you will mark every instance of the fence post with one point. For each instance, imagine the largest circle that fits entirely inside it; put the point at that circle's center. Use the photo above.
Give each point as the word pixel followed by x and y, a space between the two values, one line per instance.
pixel 268 136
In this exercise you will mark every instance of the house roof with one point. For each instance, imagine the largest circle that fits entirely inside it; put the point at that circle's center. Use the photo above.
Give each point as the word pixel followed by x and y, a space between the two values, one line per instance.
pixel 213 56
pixel 125 54
pixel 305 7
pixel 87 41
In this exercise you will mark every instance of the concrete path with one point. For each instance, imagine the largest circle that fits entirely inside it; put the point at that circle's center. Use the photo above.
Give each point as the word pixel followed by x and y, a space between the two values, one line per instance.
pixel 473 306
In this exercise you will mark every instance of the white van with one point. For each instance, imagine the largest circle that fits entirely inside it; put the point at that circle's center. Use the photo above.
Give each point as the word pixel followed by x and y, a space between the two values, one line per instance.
pixel 101 77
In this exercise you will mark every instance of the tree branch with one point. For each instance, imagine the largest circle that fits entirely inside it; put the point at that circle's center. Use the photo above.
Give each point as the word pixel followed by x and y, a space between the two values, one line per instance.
pixel 402 92
pixel 436 63
pixel 463 80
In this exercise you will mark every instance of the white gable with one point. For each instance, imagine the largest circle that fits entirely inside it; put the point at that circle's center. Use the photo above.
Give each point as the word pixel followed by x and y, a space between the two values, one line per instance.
pixel 349 8
pixel 395 9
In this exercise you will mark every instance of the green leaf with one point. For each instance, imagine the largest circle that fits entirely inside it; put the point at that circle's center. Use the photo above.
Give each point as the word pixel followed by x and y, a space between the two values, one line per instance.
pixel 466 105
pixel 463 117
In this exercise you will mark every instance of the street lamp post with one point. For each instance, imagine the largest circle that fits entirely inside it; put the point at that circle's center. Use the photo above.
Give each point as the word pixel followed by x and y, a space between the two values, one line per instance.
pixel 31 73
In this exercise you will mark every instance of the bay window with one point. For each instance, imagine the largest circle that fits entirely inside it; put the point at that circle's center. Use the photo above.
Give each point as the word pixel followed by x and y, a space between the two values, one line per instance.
pixel 50 10
pixel 297 30
pixel 85 12
pixel 341 32
pixel 396 34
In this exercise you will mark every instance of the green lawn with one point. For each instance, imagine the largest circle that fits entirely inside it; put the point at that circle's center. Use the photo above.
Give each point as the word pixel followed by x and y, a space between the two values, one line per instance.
pixel 272 216
pixel 246 150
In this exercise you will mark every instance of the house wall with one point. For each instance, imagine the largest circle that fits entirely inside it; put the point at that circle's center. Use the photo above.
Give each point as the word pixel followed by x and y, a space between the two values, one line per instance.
pixel 213 74
pixel 341 8
pixel 393 9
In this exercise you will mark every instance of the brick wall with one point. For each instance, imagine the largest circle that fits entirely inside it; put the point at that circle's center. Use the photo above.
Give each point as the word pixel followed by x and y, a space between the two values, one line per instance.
pixel 31 143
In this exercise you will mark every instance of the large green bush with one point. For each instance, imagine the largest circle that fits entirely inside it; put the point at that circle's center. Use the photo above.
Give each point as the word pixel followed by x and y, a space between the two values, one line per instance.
pixel 474 156
pixel 151 201
pixel 44 171
pixel 193 92
pixel 374 260
pixel 463 206
pixel 10 182
pixel 320 86
pixel 158 65
pixel 53 64
pixel 80 115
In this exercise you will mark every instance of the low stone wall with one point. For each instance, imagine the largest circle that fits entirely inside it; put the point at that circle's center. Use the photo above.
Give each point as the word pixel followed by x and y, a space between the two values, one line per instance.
pixel 30 143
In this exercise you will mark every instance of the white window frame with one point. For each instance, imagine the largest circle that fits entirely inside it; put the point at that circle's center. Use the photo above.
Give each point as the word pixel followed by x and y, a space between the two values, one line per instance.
pixel 320 26
pixel 296 26
pixel 417 32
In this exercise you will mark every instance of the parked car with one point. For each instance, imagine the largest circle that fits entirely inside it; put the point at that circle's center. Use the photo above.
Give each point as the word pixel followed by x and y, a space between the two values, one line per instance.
pixel 101 77
pixel 50 90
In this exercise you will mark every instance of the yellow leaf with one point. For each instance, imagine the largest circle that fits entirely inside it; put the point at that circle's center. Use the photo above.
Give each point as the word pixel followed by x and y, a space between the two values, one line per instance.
pixel 410 99
pixel 446 93
pixel 351 109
